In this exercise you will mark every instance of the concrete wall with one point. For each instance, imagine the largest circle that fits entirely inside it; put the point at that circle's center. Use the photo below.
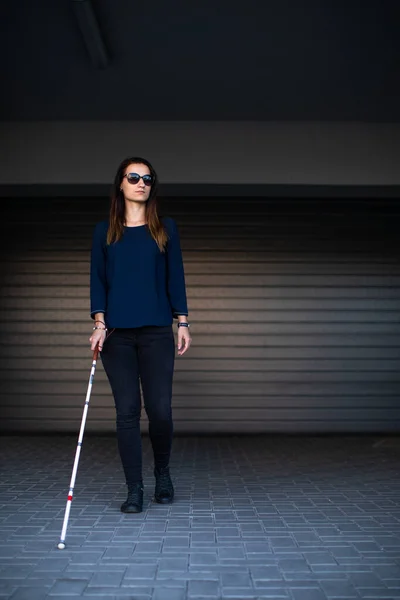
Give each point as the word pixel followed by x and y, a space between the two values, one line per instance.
pixel 310 153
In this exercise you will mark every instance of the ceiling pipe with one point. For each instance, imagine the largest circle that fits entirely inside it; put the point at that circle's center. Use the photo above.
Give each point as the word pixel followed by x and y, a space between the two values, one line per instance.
pixel 91 33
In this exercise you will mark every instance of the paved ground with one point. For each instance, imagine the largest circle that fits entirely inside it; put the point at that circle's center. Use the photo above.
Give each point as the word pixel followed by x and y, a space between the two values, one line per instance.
pixel 264 517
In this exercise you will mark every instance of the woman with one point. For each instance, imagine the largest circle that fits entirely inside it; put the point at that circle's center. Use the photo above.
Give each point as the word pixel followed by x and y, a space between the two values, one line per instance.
pixel 137 287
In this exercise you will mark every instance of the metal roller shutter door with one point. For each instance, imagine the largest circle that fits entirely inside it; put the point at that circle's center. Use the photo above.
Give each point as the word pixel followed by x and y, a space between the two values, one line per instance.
pixel 294 306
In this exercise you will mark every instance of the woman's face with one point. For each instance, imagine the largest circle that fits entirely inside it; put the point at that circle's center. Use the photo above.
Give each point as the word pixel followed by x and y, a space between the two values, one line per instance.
pixel 135 192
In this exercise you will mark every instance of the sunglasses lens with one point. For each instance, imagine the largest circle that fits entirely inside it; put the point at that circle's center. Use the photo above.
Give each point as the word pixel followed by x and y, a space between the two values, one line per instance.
pixel 133 178
pixel 147 179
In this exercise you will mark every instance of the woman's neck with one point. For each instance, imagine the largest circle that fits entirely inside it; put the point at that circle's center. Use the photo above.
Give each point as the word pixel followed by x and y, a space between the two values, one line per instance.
pixel 135 217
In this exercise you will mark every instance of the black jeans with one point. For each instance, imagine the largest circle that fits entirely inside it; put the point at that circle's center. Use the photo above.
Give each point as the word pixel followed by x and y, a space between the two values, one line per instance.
pixel 146 356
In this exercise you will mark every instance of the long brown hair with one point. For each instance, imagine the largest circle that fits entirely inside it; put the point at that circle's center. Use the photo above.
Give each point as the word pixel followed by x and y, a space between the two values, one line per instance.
pixel 117 209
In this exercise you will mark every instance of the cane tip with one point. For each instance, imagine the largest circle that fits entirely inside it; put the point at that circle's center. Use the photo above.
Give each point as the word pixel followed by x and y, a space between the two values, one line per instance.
pixel 61 546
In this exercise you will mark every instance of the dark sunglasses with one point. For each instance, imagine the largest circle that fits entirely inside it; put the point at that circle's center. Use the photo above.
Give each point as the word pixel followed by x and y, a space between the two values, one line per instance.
pixel 134 178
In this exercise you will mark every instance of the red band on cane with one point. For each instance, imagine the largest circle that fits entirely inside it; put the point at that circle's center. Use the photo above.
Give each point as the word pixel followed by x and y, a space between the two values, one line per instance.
pixel 69 498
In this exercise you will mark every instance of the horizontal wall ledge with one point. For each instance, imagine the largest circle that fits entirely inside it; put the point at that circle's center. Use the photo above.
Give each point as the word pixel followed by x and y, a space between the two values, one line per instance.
pixel 216 190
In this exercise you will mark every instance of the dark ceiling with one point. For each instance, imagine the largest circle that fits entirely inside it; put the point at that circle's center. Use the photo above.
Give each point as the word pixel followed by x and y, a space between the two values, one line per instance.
pixel 281 60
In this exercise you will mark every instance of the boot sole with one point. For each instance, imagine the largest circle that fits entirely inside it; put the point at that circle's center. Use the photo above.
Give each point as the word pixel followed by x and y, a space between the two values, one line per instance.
pixel 163 500
pixel 131 510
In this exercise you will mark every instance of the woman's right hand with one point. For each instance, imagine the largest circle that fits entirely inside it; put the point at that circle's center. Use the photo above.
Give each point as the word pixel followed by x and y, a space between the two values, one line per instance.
pixel 97 338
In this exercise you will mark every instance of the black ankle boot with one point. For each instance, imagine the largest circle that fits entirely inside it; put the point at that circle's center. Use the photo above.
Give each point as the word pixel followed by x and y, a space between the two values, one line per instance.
pixel 164 492
pixel 134 502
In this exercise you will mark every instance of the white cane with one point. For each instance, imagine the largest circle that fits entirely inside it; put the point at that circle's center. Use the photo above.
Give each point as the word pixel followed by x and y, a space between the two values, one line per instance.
pixel 61 544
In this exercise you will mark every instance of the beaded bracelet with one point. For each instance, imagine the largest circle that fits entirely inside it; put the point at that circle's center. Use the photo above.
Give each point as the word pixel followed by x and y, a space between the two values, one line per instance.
pixel 101 328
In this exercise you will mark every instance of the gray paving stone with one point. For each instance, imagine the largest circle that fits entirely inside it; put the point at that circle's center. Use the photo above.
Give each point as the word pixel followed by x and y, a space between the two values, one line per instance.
pixel 176 542
pixel 204 558
pixel 362 546
pixel 126 532
pixel 231 553
pixel 365 580
pixel 308 594
pixel 100 536
pixel 17 518
pixel 29 594
pixel 106 593
pixel 75 573
pixel 344 551
pixel 173 564
pixel 122 597
pixel 100 568
pixel 379 593
pixel 266 573
pixel 257 547
pixel 203 536
pixel 140 572
pixel 191 575
pixel 288 564
pixel 16 572
pixel 393 584
pixel 204 588
pixel 168 594
pixel 106 578
pixel 144 547
pixel 52 564
pixel 85 557
pixel 243 593
pixel 387 571
pixel 68 586
pixel 6 590
pixel 339 589
pixel 273 593
pixel 154 526
pixel 34 581
pixel 282 542
pixel 166 582
pixel 319 558
pixel 179 523
pixel 9 551
pixel 118 553
pixel 236 580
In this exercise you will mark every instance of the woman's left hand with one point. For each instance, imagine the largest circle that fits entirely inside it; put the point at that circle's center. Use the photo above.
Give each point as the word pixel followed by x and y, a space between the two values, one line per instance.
pixel 184 340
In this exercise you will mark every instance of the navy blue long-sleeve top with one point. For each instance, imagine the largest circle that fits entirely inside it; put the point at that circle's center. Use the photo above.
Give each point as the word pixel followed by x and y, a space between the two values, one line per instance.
pixel 132 282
